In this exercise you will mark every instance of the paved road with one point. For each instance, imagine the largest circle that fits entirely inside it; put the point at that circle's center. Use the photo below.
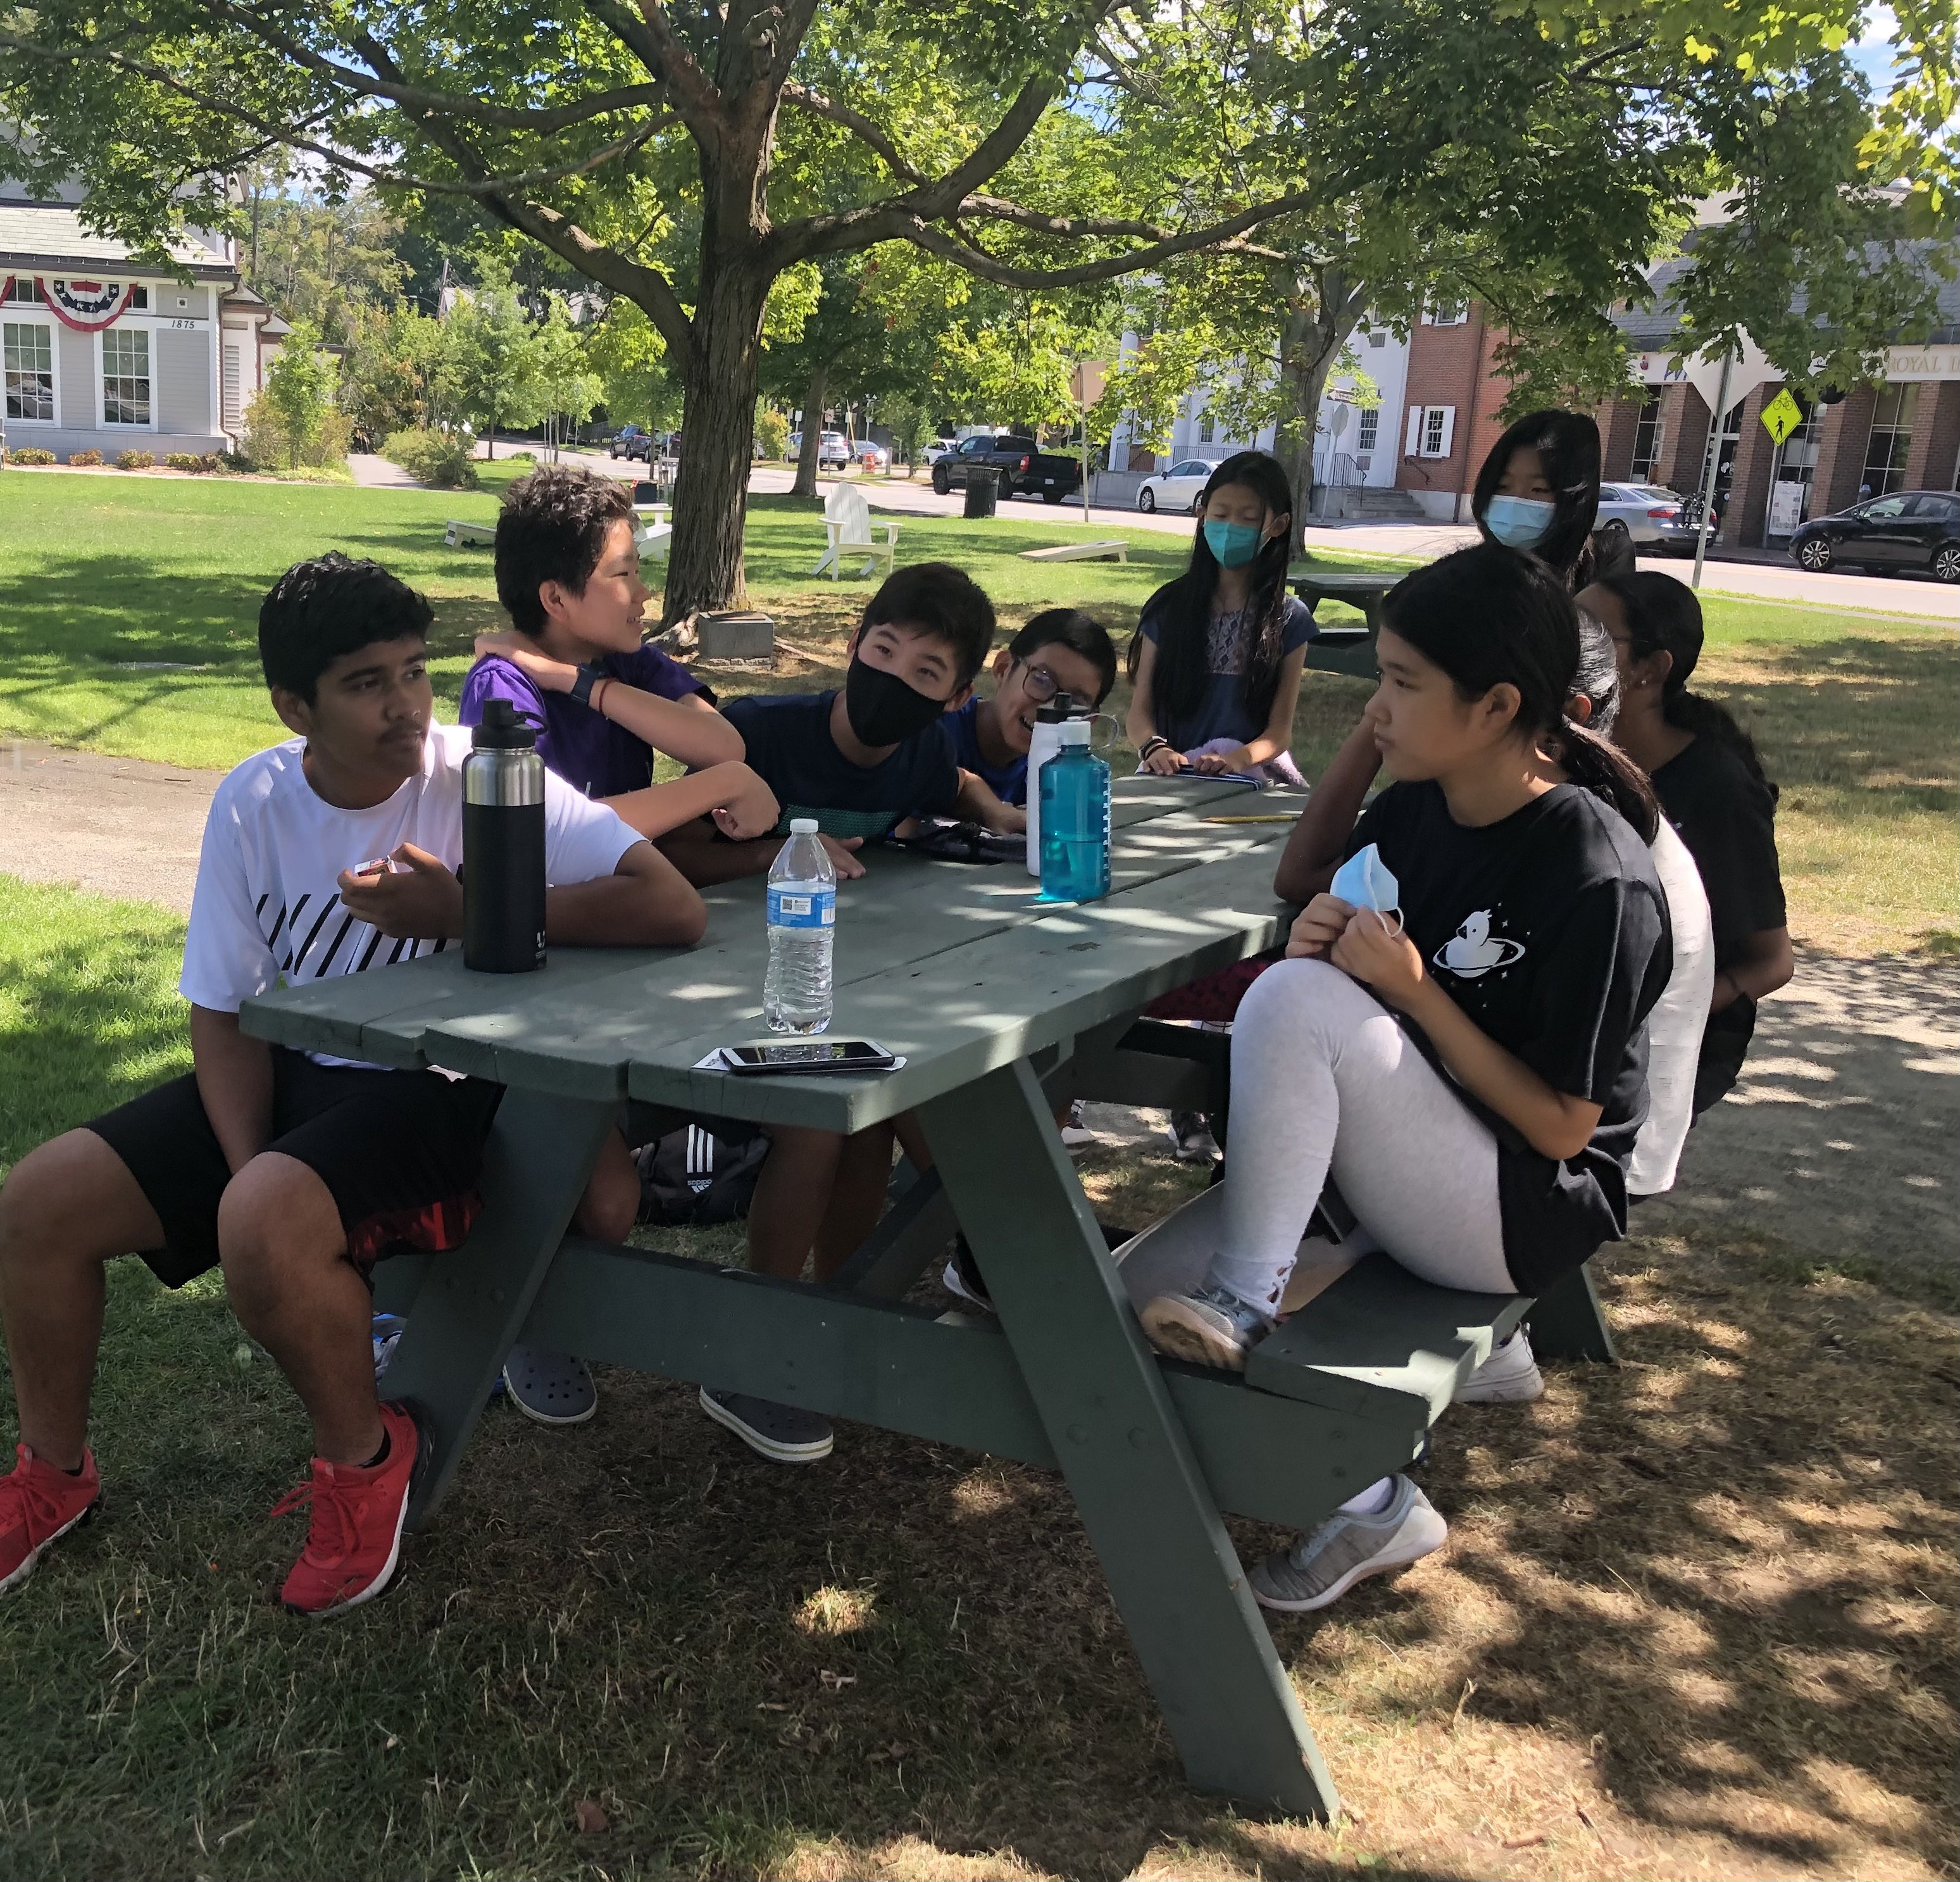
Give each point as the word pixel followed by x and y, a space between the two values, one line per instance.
pixel 1920 599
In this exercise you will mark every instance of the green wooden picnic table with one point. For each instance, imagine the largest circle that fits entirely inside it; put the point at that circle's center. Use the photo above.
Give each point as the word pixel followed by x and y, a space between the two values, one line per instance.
pixel 1343 649
pixel 1000 1005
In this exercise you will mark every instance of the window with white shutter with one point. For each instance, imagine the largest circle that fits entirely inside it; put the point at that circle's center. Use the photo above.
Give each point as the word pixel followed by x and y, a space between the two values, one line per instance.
pixel 1412 435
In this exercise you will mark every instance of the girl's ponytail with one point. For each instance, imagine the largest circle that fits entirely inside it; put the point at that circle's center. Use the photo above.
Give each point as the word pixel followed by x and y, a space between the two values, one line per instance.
pixel 1664 617
pixel 1606 771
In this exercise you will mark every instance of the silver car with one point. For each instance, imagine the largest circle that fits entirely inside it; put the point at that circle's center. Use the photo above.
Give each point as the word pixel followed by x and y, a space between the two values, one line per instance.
pixel 1178 488
pixel 1653 515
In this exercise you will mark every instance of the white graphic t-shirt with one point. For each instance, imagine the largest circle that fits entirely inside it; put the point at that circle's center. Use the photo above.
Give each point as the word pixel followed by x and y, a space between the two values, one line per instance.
pixel 267 908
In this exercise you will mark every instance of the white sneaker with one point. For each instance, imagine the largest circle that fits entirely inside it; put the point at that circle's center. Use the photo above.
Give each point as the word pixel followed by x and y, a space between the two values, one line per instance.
pixel 1191 1140
pixel 1075 1133
pixel 1509 1376
pixel 1325 1563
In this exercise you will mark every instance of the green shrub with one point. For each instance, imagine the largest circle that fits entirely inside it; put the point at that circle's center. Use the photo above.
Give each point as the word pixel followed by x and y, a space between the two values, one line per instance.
pixel 521 457
pixel 441 460
pixel 268 445
pixel 772 432
pixel 84 458
pixel 136 459
pixel 32 454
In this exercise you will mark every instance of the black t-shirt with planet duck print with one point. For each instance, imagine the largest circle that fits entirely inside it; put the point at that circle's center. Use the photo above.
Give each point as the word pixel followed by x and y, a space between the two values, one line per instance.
pixel 1549 929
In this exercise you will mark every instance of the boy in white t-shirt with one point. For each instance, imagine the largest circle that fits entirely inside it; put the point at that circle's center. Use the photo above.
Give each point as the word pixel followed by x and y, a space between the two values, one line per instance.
pixel 296 1171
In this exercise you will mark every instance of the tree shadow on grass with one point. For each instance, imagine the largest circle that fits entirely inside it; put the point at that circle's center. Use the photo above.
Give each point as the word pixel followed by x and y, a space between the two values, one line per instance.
pixel 1872 714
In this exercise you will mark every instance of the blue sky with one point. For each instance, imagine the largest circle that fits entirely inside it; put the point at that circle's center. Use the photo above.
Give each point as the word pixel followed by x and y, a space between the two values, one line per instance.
pixel 1872 54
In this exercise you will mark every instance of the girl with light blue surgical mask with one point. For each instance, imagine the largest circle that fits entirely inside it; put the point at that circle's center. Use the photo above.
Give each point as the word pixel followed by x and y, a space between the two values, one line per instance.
pixel 1538 491
pixel 1217 660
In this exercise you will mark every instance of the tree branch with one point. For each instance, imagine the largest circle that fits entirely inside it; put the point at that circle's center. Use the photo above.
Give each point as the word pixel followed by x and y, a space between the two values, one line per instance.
pixel 289 135
pixel 860 127
pixel 895 221
pixel 702 107
pixel 415 99
pixel 1001 210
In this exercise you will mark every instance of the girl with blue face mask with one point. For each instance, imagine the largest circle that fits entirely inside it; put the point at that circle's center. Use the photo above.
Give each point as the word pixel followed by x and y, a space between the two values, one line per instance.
pixel 1217 660
pixel 1538 491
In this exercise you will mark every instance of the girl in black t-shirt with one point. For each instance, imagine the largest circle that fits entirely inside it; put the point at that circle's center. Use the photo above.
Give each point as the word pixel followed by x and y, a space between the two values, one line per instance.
pixel 1469 1066
pixel 1711 782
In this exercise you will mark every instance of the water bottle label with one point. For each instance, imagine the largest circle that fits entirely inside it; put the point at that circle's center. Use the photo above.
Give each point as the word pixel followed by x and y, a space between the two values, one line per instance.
pixel 803 908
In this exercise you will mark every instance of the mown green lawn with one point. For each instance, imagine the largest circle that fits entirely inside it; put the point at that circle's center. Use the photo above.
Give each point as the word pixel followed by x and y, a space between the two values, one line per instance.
pixel 128 612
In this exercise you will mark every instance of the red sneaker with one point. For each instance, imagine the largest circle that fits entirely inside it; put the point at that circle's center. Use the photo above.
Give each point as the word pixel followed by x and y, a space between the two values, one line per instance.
pixel 353 1544
pixel 38 1505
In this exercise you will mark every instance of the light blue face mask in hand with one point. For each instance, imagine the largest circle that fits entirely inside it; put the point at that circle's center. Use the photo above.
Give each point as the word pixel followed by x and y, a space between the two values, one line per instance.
pixel 1518 522
pixel 1364 881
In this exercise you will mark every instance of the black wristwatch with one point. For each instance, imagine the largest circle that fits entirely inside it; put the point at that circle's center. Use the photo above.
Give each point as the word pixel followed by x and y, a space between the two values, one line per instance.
pixel 587 678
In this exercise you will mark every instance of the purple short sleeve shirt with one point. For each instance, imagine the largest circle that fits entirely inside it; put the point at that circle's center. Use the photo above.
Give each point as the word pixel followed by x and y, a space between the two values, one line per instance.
pixel 589 753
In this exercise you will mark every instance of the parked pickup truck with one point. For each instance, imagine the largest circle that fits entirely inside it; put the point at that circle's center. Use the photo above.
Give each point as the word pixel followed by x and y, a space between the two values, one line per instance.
pixel 1026 470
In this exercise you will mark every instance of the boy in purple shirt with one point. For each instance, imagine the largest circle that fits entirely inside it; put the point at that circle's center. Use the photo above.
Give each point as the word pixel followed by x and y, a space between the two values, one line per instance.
pixel 568 575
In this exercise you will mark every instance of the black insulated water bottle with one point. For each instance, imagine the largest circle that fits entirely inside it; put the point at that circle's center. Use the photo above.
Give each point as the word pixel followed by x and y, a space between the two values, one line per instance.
pixel 502 845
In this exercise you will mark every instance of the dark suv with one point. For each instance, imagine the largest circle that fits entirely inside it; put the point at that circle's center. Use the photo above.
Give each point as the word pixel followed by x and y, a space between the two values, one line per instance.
pixel 631 442
pixel 1908 529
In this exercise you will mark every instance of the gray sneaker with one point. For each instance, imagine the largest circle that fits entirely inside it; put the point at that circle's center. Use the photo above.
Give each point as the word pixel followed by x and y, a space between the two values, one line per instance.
pixel 1325 1563
pixel 1191 1139
pixel 1208 1327
pixel 781 1433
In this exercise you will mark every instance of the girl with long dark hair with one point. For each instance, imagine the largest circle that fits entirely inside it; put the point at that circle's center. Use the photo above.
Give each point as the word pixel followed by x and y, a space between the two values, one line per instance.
pixel 1216 657
pixel 1470 1065
pixel 1538 489
pixel 1709 779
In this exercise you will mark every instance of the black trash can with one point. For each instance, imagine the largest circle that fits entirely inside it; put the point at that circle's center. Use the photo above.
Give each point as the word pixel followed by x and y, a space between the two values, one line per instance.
pixel 983 490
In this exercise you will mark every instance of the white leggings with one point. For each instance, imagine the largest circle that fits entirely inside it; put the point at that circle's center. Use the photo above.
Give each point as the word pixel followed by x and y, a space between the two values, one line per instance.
pixel 1323 1076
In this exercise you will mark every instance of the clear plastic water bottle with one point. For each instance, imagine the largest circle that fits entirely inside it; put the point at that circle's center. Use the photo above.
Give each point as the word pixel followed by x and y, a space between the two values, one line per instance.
pixel 803 923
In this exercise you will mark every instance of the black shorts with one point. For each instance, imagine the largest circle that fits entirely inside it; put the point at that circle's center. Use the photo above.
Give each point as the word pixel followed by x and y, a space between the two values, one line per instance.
pixel 400 1152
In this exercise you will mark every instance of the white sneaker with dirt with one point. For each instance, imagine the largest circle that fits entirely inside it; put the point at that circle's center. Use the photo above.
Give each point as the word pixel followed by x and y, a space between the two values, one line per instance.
pixel 1325 1563
pixel 1075 1134
pixel 1208 1327
pixel 1509 1376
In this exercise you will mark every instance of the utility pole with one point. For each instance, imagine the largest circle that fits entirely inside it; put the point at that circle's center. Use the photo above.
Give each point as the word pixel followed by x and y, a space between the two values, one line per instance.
pixel 1714 461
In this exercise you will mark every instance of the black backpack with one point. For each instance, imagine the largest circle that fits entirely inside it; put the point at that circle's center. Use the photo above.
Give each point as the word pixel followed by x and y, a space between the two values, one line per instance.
pixel 703 1173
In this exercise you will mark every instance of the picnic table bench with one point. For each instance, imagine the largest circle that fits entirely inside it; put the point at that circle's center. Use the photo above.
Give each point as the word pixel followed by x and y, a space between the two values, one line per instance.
pixel 458 534
pixel 1349 650
pixel 1003 1006
pixel 1111 551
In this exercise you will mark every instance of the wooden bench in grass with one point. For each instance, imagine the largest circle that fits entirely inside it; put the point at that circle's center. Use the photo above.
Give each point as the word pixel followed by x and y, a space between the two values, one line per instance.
pixel 460 535
pixel 1000 1005
pixel 1112 551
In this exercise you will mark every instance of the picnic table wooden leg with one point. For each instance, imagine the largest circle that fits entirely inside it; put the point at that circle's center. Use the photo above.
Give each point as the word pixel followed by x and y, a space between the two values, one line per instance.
pixel 1176 1579
pixel 1566 1322
pixel 536 1165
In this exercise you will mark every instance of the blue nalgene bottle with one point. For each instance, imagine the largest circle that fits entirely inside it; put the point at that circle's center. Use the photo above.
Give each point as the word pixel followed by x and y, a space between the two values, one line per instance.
pixel 1074 820
pixel 803 923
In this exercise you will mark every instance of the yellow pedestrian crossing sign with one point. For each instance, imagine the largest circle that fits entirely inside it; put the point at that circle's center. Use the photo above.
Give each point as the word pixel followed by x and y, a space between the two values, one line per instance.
pixel 1782 415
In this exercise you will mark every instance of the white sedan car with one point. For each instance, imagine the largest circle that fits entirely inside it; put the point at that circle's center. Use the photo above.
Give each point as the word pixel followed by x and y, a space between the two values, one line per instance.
pixel 1178 488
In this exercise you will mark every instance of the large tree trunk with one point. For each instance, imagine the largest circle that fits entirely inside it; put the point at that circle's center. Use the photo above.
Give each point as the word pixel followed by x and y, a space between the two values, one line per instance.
pixel 1322 311
pixel 812 433
pixel 711 490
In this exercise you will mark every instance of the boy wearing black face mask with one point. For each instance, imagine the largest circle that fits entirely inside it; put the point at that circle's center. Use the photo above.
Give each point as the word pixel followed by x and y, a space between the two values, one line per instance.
pixel 863 758
pixel 860 760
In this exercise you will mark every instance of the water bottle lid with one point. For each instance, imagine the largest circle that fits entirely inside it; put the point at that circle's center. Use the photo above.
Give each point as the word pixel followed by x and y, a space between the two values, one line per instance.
pixel 502 729
pixel 803 826
pixel 1075 732
pixel 1056 711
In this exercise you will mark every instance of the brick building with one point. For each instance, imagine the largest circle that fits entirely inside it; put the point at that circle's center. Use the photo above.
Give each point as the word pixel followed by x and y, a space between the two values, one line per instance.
pixel 1901 434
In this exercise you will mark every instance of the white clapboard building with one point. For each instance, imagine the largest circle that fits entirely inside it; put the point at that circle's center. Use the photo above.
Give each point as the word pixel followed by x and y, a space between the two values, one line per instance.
pixel 102 351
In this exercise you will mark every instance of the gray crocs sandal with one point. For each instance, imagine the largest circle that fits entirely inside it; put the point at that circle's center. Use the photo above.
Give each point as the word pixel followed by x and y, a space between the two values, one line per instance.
pixel 551 1388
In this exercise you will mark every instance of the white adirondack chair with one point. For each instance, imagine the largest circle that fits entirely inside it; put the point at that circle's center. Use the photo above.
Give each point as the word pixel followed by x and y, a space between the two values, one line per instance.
pixel 847 519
